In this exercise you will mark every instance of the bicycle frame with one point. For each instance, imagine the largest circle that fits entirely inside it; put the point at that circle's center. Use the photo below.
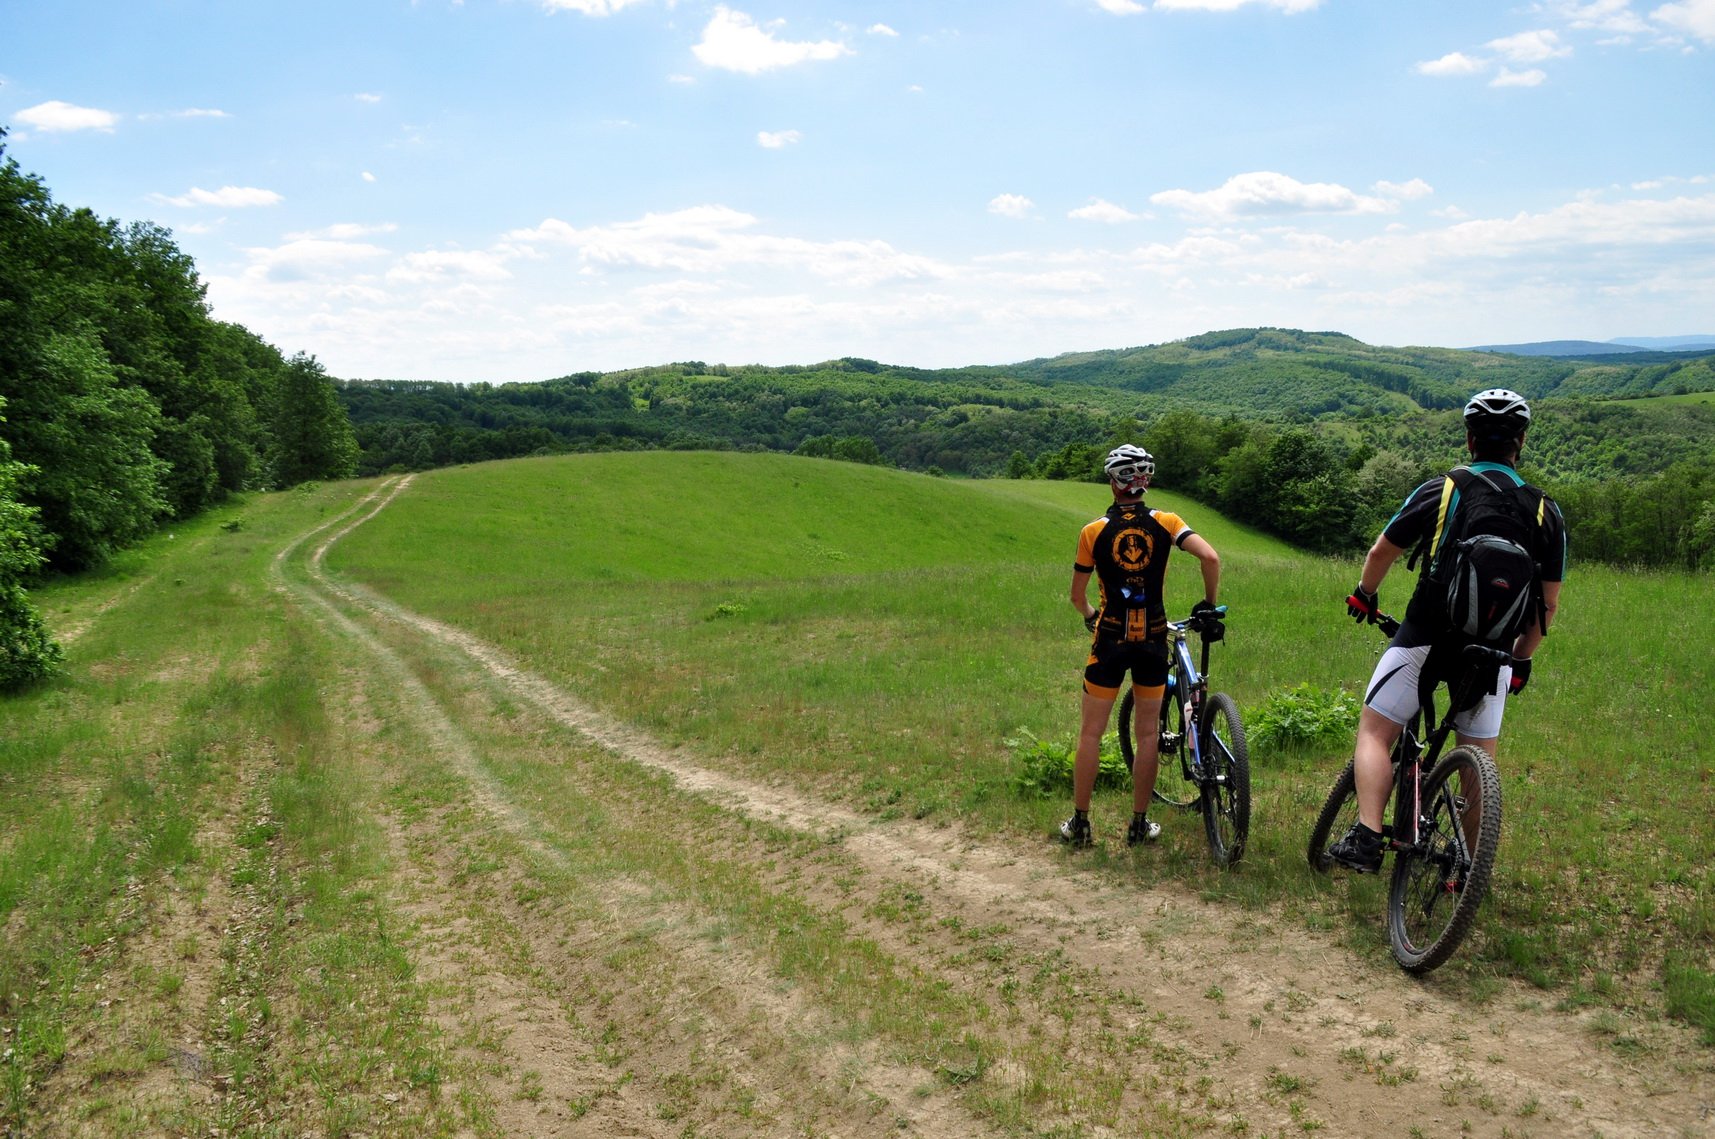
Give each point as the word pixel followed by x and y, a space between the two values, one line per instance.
pixel 1414 755
pixel 1187 674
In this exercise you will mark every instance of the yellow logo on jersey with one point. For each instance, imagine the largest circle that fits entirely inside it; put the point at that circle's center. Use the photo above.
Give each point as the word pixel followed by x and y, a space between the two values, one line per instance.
pixel 1133 549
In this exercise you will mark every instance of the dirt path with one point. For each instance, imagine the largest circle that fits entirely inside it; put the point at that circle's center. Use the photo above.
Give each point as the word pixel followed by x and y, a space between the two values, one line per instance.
pixel 1235 1021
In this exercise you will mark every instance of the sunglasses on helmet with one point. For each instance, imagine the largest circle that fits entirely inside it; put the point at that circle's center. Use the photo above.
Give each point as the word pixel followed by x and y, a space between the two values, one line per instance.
pixel 1131 472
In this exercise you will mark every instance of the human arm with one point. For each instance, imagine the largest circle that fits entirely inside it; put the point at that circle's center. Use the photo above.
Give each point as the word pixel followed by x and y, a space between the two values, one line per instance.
pixel 1209 561
pixel 1525 646
pixel 1365 602
pixel 1080 597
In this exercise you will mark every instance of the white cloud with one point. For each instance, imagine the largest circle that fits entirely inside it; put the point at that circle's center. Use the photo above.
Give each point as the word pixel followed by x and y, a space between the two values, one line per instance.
pixel 1510 78
pixel 1102 210
pixel 716 239
pixel 227 197
pixel 367 176
pixel 436 265
pixel 714 283
pixel 367 97
pixel 1694 17
pixel 882 30
pixel 309 258
pixel 200 113
pixel 1121 7
pixel 1266 193
pixel 732 41
pixel 55 115
pixel 1614 17
pixel 776 140
pixel 1011 205
pixel 1288 6
pixel 1530 47
pixel 1453 63
pixel 588 7
pixel 1406 191
pixel 343 231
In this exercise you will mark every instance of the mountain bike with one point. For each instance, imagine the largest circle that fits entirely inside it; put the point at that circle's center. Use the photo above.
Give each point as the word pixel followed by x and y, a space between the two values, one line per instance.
pixel 1204 763
pixel 1442 831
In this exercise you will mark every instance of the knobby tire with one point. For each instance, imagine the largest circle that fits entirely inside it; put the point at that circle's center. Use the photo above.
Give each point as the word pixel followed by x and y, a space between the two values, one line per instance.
pixel 1338 815
pixel 1439 882
pixel 1226 790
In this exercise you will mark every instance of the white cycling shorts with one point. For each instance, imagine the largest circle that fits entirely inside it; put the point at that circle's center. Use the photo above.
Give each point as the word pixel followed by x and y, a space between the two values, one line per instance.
pixel 1393 693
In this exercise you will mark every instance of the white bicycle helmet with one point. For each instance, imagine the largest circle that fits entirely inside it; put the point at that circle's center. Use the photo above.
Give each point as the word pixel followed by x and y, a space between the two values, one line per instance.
pixel 1129 467
pixel 1497 413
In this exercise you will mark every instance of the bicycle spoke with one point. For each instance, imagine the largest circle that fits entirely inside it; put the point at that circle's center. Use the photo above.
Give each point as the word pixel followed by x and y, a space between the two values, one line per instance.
pixel 1439 880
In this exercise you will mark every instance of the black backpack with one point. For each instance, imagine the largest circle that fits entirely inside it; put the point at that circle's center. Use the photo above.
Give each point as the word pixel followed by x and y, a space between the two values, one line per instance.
pixel 1485 567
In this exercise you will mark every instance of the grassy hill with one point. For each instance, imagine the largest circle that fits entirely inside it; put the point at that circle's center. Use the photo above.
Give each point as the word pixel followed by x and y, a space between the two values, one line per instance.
pixel 877 635
pixel 977 420
pixel 276 850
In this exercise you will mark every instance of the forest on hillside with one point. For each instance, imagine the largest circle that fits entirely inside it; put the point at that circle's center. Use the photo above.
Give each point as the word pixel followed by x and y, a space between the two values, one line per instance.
pixel 124 404
pixel 1314 437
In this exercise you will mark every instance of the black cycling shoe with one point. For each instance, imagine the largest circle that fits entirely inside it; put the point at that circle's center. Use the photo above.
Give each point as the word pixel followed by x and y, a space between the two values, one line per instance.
pixel 1359 849
pixel 1076 831
pixel 1141 830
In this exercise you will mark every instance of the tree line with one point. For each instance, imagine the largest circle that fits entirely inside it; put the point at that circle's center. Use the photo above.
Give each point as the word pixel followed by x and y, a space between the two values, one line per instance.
pixel 124 404
pixel 1323 492
pixel 1634 477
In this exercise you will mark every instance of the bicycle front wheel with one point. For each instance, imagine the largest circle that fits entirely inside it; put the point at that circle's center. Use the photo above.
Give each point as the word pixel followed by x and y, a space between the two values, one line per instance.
pixel 1440 880
pixel 1338 815
pixel 1226 787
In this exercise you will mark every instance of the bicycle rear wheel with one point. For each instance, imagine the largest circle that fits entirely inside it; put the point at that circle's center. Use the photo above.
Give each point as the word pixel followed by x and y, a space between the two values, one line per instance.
pixel 1226 788
pixel 1338 815
pixel 1173 785
pixel 1440 880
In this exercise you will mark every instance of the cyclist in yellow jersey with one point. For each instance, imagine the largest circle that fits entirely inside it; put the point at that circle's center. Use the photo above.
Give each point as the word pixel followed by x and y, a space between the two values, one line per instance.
pixel 1126 551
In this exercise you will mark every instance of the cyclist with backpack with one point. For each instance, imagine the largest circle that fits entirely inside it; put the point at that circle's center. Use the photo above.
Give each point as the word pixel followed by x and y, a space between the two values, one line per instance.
pixel 1493 550
pixel 1126 551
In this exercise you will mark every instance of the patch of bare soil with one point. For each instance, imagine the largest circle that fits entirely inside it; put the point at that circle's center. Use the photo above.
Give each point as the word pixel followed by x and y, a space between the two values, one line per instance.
pixel 1236 1020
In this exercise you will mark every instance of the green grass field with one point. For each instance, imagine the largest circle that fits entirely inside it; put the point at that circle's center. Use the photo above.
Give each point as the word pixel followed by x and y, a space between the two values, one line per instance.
pixel 210 826
pixel 878 635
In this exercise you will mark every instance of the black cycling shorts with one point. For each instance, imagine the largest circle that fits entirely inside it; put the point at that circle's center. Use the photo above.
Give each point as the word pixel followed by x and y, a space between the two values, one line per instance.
pixel 1110 661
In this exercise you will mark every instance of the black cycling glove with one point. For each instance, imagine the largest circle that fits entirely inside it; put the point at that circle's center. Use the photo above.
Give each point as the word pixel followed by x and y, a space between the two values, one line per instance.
pixel 1521 676
pixel 1363 606
pixel 1206 619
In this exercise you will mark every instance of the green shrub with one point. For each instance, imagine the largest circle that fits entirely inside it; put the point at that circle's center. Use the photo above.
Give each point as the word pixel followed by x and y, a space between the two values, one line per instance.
pixel 1044 768
pixel 1303 717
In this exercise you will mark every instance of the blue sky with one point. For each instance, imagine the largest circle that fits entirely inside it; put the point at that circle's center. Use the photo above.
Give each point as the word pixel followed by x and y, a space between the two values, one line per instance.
pixel 519 189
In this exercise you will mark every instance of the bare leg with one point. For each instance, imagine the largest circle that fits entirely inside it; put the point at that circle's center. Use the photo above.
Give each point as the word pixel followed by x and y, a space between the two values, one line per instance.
pixel 1373 766
pixel 1087 763
pixel 1146 730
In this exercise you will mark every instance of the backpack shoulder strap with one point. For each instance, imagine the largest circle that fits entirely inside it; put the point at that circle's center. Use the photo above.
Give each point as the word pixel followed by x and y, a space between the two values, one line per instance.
pixel 1430 543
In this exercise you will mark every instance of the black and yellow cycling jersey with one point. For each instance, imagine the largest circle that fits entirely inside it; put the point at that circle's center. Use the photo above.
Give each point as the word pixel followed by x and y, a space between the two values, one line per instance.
pixel 1127 550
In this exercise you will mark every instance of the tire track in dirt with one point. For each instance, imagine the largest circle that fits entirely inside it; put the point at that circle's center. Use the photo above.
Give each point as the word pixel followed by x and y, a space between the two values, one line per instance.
pixel 1293 1027
pixel 510 1004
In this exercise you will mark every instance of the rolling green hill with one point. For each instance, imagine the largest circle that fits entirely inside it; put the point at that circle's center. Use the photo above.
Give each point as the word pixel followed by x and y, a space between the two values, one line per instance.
pixel 978 420
pixel 878 635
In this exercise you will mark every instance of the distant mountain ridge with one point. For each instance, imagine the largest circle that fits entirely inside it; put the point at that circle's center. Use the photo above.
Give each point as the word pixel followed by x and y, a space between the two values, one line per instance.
pixel 1622 346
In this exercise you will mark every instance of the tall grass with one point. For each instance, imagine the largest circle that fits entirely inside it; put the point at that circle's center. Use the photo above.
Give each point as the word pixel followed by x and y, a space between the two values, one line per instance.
pixel 186 755
pixel 878 635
